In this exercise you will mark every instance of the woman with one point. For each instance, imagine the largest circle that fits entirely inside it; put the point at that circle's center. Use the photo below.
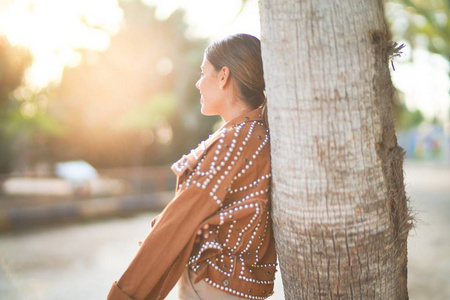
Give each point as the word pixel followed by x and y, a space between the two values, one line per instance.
pixel 216 234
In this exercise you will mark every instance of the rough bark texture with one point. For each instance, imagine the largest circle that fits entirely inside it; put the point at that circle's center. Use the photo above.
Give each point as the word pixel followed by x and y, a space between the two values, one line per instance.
pixel 339 205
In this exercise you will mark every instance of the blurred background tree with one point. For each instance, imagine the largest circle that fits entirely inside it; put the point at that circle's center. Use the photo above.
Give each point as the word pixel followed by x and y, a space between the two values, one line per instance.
pixel 130 99
pixel 132 103
pixel 20 118
pixel 135 103
pixel 420 24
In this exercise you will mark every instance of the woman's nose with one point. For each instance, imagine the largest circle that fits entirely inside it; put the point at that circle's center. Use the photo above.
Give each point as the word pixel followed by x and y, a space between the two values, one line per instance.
pixel 197 85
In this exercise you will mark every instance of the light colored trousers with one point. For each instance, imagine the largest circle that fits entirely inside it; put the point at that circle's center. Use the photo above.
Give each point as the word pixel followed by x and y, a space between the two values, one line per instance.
pixel 188 290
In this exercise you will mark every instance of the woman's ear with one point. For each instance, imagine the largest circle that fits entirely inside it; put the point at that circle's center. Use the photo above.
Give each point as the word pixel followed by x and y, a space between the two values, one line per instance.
pixel 224 77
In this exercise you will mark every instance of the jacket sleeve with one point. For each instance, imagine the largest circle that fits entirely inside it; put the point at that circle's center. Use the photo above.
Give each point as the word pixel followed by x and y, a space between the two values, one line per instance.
pixel 164 253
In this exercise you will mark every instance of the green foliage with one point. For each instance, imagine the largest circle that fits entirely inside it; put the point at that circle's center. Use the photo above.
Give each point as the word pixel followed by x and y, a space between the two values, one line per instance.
pixel 25 123
pixel 18 122
pixel 405 118
pixel 24 126
pixel 135 103
pixel 422 23
pixel 147 115
pixel 13 62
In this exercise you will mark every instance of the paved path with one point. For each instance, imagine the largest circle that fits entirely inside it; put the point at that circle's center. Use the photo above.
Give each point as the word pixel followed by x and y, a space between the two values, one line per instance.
pixel 80 261
pixel 429 244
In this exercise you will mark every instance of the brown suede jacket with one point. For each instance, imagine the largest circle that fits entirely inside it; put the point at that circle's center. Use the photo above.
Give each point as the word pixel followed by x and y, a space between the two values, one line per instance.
pixel 224 183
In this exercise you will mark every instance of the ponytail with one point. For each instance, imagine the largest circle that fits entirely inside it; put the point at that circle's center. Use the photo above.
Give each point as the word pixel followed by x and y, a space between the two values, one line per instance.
pixel 264 116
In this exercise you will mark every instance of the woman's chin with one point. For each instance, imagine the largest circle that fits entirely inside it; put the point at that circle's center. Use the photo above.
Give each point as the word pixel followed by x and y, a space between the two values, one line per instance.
pixel 202 108
pixel 206 112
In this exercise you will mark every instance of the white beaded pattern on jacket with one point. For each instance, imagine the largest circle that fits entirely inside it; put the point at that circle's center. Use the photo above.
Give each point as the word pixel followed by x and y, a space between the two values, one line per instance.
pixel 211 174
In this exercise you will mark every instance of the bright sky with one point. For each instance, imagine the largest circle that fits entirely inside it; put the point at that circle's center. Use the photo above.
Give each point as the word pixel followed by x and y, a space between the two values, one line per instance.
pixel 424 82
pixel 213 19
pixel 52 30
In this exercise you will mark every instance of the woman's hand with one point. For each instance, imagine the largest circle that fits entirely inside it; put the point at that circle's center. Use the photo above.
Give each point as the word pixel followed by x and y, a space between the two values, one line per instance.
pixel 202 232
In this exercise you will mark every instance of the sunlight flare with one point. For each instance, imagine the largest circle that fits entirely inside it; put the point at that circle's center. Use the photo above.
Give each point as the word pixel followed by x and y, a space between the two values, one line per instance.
pixel 55 30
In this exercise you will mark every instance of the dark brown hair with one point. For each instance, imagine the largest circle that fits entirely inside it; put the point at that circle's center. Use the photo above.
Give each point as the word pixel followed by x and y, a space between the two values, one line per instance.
pixel 241 53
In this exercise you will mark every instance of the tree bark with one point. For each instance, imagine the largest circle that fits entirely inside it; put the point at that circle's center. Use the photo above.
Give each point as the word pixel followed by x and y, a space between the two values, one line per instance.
pixel 340 211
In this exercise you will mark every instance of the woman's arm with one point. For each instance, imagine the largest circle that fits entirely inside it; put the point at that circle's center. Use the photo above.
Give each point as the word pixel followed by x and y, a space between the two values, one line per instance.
pixel 163 255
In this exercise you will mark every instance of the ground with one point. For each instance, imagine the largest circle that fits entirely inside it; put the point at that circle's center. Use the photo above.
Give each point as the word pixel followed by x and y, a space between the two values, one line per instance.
pixel 80 261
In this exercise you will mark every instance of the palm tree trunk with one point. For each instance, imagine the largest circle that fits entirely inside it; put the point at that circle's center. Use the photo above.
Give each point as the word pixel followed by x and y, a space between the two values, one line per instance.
pixel 339 206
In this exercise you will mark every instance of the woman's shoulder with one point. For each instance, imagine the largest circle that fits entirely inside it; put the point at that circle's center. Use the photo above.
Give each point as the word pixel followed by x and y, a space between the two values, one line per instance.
pixel 244 134
pixel 245 127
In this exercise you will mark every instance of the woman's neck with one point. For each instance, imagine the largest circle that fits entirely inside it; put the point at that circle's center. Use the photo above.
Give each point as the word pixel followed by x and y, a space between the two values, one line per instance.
pixel 234 111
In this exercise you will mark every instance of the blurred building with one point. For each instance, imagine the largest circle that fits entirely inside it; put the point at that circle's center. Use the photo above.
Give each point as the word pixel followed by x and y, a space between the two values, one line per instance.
pixel 426 142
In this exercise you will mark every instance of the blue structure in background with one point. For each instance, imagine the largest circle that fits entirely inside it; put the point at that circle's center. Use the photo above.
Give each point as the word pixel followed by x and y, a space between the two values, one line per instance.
pixel 425 142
